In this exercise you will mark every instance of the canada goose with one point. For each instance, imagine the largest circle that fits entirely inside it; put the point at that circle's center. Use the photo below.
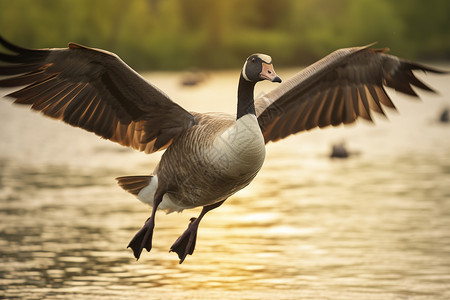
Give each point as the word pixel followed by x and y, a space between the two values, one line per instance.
pixel 209 156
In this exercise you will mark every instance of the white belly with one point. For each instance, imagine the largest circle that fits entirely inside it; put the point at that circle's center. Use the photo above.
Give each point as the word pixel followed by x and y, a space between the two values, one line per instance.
pixel 147 195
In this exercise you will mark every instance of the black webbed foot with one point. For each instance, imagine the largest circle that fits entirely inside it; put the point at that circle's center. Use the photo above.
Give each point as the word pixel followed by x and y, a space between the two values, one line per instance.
pixel 185 244
pixel 142 239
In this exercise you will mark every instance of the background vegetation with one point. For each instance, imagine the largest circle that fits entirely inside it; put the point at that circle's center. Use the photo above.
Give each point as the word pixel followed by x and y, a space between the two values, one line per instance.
pixel 176 34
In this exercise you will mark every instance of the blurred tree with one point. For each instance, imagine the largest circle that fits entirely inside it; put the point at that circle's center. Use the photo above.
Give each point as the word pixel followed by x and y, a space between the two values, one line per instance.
pixel 176 34
pixel 427 28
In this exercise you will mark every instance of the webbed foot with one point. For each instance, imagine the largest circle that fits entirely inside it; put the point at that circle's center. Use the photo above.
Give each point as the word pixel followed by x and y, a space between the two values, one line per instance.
pixel 185 244
pixel 143 238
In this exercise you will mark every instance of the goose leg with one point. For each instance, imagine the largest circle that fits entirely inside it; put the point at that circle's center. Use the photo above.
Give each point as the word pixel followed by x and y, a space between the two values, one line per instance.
pixel 143 238
pixel 185 244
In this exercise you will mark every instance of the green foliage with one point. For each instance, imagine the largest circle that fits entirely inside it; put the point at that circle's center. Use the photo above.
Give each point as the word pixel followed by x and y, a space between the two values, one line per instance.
pixel 176 34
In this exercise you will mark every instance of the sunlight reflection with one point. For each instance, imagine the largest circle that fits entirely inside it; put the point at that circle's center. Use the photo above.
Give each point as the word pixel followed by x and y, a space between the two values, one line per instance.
pixel 373 226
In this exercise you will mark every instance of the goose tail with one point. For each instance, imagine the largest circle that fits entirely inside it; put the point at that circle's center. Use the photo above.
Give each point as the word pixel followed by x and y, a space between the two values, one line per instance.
pixel 134 184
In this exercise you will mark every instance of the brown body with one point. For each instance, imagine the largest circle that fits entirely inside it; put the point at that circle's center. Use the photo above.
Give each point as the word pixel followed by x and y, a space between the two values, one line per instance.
pixel 207 163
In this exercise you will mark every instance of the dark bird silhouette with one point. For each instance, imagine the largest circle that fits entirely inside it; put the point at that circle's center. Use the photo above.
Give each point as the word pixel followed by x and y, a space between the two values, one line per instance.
pixel 444 117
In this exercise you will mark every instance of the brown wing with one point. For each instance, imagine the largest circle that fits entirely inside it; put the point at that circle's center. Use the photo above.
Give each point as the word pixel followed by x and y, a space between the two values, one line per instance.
pixel 94 90
pixel 341 87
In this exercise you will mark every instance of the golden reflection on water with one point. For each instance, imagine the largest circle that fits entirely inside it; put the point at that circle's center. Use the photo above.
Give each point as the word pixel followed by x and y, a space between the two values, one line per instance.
pixel 375 226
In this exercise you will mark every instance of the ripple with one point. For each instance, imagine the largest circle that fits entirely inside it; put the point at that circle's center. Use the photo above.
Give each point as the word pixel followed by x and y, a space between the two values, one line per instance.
pixel 375 226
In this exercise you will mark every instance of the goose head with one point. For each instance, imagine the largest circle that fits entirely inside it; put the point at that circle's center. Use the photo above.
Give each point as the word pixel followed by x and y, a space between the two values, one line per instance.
pixel 259 67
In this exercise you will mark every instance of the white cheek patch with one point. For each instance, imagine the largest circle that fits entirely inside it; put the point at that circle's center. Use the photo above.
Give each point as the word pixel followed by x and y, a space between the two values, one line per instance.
pixel 243 71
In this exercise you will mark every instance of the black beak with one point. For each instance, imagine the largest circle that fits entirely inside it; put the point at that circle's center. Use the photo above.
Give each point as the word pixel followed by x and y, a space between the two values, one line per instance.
pixel 276 79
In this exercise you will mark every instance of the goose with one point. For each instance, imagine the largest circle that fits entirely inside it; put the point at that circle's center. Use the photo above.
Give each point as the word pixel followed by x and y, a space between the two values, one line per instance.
pixel 208 156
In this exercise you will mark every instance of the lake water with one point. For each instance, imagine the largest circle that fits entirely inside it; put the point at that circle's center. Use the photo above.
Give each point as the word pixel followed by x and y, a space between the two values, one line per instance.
pixel 374 226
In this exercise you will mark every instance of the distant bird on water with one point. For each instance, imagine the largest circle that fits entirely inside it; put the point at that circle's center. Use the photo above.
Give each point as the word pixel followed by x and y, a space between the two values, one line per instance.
pixel 339 151
pixel 444 116
pixel 209 156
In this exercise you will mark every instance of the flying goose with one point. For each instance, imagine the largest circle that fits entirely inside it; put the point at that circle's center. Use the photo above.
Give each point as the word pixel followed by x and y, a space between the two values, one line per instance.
pixel 208 156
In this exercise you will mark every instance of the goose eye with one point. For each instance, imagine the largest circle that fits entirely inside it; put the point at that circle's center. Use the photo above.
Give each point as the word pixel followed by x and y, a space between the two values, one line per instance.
pixel 253 60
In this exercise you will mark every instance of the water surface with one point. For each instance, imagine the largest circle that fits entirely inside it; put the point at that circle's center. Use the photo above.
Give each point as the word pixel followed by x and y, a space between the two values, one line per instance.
pixel 375 226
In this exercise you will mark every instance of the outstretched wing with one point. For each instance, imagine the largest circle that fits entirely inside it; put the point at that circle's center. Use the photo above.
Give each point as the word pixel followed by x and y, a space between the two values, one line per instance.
pixel 341 87
pixel 94 90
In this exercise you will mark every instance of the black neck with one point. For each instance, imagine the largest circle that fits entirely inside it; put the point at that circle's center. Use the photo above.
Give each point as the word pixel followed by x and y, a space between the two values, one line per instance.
pixel 246 103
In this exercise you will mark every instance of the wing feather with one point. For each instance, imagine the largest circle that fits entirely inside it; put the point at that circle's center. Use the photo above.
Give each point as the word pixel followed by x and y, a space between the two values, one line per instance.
pixel 328 104
pixel 363 104
pixel 337 113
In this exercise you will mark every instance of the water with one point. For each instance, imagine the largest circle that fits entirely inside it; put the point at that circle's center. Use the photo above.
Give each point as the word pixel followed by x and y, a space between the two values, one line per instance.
pixel 375 226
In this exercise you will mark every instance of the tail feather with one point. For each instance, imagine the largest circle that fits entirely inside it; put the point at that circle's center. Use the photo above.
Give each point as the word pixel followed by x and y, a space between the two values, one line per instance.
pixel 134 184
